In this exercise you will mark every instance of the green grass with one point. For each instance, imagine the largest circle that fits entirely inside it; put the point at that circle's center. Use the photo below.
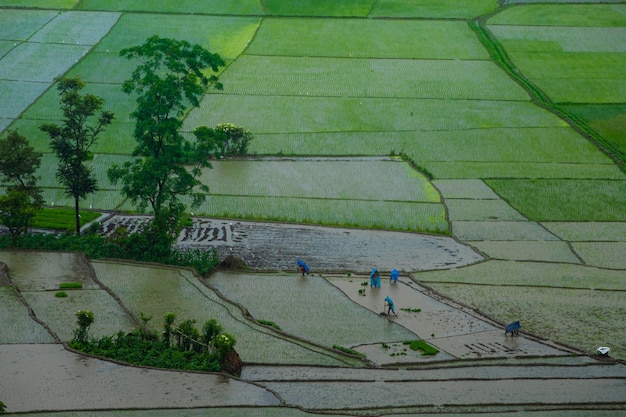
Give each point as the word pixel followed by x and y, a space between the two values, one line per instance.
pixel 78 28
pixel 71 285
pixel 565 200
pixel 606 119
pixel 408 39
pixel 227 36
pixel 350 77
pixel 345 179
pixel 46 4
pixel 530 274
pixel 17 95
pixel 53 60
pixel 177 6
pixel 289 114
pixel 19 25
pixel 416 217
pixel 347 8
pixel 558 15
pixel 61 219
pixel 433 8
pixel 423 347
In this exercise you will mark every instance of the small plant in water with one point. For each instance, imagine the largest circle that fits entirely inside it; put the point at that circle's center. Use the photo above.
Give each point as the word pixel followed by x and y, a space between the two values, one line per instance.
pixel 60 294
pixel 412 310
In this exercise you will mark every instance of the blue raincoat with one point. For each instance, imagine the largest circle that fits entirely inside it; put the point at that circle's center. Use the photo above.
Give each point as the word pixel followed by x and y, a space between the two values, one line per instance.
pixel 303 267
pixel 374 278
pixel 394 276
pixel 389 302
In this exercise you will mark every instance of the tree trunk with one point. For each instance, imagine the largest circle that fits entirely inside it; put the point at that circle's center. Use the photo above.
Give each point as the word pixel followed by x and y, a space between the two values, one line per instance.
pixel 77 216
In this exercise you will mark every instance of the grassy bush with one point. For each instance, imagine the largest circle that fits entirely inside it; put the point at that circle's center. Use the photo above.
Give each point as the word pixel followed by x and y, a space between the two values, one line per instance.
pixel 71 285
pixel 270 323
pixel 60 294
pixel 423 347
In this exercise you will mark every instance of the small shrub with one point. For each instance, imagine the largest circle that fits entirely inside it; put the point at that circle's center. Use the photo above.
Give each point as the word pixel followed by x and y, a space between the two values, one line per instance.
pixel 412 310
pixel 60 294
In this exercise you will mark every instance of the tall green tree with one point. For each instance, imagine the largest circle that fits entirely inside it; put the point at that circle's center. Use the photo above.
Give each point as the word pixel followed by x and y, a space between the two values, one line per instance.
pixel 83 121
pixel 18 165
pixel 171 77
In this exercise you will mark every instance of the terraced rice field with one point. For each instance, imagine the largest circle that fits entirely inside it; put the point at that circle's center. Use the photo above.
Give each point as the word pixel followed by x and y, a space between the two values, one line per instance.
pixel 516 110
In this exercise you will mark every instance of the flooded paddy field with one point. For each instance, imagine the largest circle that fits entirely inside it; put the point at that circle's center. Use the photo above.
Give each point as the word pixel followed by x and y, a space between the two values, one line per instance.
pixel 289 372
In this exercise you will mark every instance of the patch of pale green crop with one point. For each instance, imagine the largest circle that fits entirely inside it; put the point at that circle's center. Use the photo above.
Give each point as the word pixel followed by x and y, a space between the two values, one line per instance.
pixel 467 189
pixel 530 274
pixel 588 231
pixel 156 291
pixel 583 319
pixel 19 25
pixel 308 307
pixel 459 169
pixel 542 251
pixel 100 164
pixel 6 46
pixel 348 8
pixel 433 8
pixel 76 28
pixel 17 95
pixel 471 231
pixel 228 7
pixel 565 200
pixel 360 38
pixel 58 313
pixel 227 36
pixel 40 62
pixel 45 271
pixel 562 15
pixel 602 254
pixel 17 325
pixel 47 4
pixel 559 40
pixel 481 210
pixel 350 77
pixel 386 215
pixel 232 411
pixel 299 114
pixel 103 67
pixel 583 90
pixel 346 179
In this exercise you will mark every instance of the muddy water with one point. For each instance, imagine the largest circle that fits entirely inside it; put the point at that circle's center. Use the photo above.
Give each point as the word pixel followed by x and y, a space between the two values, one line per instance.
pixel 47 377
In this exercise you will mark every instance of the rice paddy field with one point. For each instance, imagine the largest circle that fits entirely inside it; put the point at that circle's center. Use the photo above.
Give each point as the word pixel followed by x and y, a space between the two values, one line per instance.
pixel 498 123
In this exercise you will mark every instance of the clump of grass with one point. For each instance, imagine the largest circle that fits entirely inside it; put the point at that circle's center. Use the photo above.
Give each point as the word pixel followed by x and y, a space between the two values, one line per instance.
pixel 348 351
pixel 71 285
pixel 270 323
pixel 362 292
pixel 364 283
pixel 60 294
pixel 421 346
pixel 412 310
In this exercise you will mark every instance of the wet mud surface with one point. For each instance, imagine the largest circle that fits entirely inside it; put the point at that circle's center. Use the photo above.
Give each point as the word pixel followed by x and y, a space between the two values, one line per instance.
pixel 273 246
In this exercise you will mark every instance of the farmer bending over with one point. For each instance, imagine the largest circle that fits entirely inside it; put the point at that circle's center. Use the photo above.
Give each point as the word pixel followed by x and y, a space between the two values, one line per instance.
pixel 389 304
